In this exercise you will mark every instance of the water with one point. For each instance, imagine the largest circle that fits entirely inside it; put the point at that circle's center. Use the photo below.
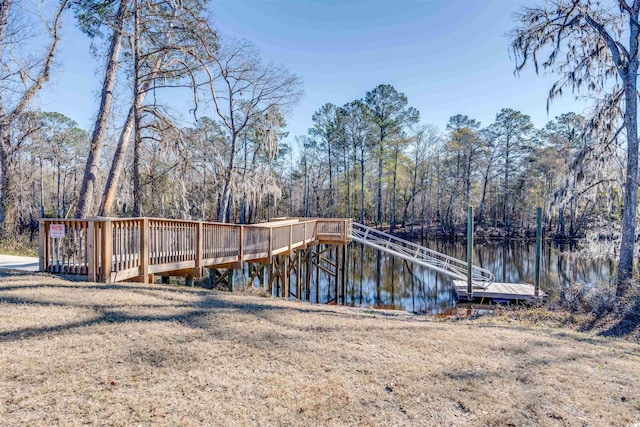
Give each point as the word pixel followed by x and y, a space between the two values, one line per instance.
pixel 379 280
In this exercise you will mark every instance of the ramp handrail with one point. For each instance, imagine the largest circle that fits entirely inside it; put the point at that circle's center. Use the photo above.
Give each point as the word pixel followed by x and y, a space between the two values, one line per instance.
pixel 415 253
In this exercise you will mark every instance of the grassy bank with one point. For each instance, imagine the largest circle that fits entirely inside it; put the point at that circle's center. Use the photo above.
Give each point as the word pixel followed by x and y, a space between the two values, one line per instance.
pixel 73 353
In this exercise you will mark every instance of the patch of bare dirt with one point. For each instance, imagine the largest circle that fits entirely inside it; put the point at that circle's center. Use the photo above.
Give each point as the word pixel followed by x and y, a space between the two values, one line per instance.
pixel 131 354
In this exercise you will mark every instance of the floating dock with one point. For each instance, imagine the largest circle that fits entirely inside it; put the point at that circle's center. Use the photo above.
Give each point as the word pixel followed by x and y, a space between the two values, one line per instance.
pixel 499 292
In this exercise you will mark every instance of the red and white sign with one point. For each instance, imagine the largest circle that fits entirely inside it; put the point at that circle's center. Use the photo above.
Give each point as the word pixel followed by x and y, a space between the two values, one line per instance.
pixel 56 231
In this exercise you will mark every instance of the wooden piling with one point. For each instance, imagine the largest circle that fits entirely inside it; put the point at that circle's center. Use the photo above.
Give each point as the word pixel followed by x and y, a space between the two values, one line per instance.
pixel 318 274
pixel 298 275
pixel 344 275
pixel 336 252
pixel 212 277
pixel 308 271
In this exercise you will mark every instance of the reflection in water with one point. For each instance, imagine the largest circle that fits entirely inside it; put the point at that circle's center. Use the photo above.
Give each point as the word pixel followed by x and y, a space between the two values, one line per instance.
pixel 377 279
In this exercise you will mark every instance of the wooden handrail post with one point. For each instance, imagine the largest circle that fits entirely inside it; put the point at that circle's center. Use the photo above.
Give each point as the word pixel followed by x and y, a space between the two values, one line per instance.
pixel 241 244
pixel 92 265
pixel 43 246
pixel 144 250
pixel 199 245
pixel 270 241
pixel 290 237
pixel 107 250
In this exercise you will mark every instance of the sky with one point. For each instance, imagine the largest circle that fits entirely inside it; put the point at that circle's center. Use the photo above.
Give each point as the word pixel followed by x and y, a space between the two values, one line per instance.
pixel 448 57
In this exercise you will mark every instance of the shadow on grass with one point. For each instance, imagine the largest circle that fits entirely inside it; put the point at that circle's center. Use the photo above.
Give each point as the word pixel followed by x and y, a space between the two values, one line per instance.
pixel 198 309
pixel 621 321
pixel 264 327
pixel 628 324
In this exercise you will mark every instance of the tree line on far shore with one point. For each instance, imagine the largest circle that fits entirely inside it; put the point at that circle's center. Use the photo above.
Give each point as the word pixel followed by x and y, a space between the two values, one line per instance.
pixel 372 160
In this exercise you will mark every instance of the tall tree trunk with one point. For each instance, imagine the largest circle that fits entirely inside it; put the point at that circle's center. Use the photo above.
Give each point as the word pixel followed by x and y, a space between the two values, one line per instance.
pixel 305 196
pixel 506 220
pixel 137 117
pixel 85 200
pixel 422 207
pixel 111 187
pixel 348 180
pixel 330 160
pixel 58 193
pixel 406 209
pixel 413 191
pixel 467 191
pixel 485 182
pixel 5 181
pixel 379 184
pixel 362 183
pixel 226 190
pixel 393 192
pixel 627 244
pixel 5 7
pixel 41 188
pixel 354 168
pixel 560 232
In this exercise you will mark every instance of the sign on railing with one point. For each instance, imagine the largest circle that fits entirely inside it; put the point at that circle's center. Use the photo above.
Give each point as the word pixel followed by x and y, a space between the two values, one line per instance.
pixel 56 231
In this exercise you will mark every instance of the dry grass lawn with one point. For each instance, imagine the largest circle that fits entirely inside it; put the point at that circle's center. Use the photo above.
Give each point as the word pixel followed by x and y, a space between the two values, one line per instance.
pixel 129 354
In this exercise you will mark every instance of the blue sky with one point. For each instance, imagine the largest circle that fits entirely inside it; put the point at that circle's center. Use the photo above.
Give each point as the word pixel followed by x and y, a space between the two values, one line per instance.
pixel 448 57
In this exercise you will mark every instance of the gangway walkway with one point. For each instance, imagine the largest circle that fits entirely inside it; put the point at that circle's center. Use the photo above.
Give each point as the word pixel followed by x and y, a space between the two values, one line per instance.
pixel 412 252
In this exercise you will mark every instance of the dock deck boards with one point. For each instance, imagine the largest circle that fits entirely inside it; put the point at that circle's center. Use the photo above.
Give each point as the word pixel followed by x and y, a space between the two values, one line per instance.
pixel 501 291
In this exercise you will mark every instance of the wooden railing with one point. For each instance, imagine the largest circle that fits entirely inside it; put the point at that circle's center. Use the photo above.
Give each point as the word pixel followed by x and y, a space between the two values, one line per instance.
pixel 114 249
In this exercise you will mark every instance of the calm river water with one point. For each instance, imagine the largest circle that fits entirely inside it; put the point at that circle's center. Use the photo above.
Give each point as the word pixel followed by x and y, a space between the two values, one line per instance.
pixel 379 280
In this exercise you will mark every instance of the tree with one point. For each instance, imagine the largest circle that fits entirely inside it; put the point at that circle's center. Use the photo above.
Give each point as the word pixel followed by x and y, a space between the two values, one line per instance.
pixel 466 142
pixel 92 15
pixel 398 145
pixel 163 45
pixel 243 91
pixel 390 113
pixel 488 156
pixel 58 141
pixel 564 135
pixel 23 76
pixel 169 41
pixel 423 141
pixel 513 132
pixel 327 129
pixel 356 117
pixel 594 46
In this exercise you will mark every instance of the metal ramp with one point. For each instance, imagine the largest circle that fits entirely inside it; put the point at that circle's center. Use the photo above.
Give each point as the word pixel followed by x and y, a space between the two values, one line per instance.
pixel 420 255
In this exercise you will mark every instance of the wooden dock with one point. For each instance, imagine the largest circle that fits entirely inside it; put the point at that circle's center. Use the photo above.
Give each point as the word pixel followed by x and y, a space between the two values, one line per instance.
pixel 499 292
pixel 118 249
pixel 284 255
